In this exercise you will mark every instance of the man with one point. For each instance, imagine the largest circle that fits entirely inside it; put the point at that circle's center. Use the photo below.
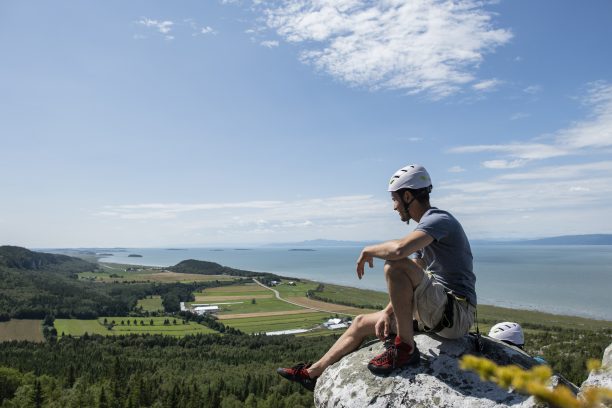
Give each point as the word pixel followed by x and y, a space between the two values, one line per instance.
pixel 429 277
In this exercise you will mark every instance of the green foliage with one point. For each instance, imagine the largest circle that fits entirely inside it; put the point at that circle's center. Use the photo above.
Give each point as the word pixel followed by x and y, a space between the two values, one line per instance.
pixel 212 268
pixel 147 371
pixel 568 350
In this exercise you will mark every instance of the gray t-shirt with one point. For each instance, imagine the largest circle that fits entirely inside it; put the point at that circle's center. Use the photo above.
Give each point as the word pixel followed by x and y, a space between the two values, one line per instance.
pixel 449 256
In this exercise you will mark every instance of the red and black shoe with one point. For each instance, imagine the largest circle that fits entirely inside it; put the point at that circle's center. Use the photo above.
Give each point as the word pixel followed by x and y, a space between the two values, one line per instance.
pixel 299 374
pixel 396 355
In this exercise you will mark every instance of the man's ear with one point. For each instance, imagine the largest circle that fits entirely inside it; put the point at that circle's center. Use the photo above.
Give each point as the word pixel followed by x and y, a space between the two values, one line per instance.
pixel 407 196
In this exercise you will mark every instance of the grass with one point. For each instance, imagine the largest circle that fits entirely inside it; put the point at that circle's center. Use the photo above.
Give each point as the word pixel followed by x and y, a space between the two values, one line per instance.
pixel 490 315
pixel 260 305
pixel 152 304
pixel 78 327
pixel 345 294
pixel 139 273
pixel 275 323
pixel 299 289
pixel 17 329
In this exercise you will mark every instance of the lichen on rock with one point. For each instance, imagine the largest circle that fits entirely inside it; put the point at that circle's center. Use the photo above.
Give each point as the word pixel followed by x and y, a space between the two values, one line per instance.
pixel 436 382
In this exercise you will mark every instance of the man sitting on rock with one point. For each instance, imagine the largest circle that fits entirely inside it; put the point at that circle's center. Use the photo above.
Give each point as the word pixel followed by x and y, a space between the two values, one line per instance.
pixel 436 286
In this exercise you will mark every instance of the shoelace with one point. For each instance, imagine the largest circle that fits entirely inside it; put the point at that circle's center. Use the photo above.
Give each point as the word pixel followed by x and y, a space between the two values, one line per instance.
pixel 390 352
pixel 299 368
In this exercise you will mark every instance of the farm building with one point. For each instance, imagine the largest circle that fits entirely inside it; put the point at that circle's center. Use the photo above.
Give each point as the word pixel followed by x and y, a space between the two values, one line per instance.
pixel 337 323
pixel 202 309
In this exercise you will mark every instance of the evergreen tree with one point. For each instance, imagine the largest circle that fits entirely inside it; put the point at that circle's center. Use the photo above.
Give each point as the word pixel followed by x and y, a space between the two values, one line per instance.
pixel 37 397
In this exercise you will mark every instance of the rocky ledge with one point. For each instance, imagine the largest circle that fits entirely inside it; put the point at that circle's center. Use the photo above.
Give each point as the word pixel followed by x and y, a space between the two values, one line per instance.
pixel 436 382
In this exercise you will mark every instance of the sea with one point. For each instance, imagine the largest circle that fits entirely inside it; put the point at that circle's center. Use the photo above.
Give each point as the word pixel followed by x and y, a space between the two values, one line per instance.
pixel 560 279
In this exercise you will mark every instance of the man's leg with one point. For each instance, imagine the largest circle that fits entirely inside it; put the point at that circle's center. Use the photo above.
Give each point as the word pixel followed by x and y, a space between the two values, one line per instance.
pixel 362 326
pixel 403 276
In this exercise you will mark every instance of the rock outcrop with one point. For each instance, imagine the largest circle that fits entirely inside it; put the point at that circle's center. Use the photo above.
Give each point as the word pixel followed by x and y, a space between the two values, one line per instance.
pixel 436 382
pixel 603 377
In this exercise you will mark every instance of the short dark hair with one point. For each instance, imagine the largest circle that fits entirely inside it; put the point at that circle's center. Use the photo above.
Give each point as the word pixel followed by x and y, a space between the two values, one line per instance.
pixel 419 194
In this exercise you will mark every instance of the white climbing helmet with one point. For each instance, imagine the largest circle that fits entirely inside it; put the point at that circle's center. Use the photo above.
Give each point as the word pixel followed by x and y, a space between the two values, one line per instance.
pixel 509 332
pixel 413 176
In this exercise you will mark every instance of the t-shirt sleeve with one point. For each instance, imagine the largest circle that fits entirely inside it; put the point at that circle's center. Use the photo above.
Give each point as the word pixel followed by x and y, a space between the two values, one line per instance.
pixel 437 226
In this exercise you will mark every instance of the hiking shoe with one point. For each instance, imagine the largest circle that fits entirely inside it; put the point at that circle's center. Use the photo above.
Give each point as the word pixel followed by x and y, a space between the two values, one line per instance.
pixel 389 340
pixel 395 356
pixel 299 374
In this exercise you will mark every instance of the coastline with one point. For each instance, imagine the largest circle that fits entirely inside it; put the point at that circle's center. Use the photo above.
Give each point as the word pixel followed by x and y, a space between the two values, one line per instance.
pixel 486 311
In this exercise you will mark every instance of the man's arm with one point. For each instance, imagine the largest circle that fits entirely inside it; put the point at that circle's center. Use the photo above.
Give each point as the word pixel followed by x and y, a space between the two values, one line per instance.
pixel 392 250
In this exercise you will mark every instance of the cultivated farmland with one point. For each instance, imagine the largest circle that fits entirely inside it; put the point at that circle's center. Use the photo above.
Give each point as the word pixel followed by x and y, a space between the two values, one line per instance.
pixel 17 329
pixel 78 327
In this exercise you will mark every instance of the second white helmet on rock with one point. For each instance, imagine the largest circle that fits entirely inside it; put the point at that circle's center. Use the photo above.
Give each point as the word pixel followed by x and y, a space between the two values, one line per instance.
pixel 413 176
pixel 508 331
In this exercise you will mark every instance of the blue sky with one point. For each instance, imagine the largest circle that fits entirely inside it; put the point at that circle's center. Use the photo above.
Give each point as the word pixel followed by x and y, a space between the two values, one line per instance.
pixel 152 123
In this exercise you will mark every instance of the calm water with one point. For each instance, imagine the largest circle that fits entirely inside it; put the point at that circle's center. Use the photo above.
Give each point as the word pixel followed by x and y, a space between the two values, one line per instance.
pixel 573 280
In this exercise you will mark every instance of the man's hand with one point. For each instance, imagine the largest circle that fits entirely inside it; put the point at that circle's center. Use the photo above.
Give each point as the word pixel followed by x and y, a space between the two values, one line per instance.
pixel 363 258
pixel 382 326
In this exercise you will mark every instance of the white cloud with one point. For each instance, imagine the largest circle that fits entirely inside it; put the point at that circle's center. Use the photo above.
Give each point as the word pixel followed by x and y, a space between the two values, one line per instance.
pixel 456 169
pixel 163 27
pixel 297 212
pixel 532 89
pixel 526 151
pixel 589 135
pixel 430 46
pixel 487 85
pixel 519 115
pixel 207 30
pixel 504 164
pixel 269 44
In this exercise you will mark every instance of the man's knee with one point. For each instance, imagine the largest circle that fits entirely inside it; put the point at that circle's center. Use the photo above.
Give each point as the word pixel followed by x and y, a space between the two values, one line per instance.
pixel 402 269
pixel 364 323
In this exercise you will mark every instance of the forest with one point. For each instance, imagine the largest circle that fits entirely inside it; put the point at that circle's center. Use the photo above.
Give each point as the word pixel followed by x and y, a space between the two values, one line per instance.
pixel 228 369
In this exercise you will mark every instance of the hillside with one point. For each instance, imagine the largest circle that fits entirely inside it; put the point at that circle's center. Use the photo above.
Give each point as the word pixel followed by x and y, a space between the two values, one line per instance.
pixel 36 284
pixel 590 239
pixel 21 258
pixel 212 268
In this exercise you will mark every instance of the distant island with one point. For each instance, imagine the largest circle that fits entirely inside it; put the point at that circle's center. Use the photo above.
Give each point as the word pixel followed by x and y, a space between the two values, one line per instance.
pixel 586 239
pixel 134 256
pixel 104 254
pixel 176 249
pixel 302 249
pixel 321 243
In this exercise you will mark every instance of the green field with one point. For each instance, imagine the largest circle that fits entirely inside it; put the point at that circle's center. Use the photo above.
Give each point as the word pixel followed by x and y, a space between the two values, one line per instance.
pixel 110 272
pixel 274 323
pixel 78 327
pixel 353 296
pixel 299 289
pixel 17 329
pixel 489 315
pixel 152 304
pixel 260 305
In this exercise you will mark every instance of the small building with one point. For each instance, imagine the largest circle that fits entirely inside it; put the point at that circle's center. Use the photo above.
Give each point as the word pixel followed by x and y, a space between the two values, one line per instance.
pixel 205 309
pixel 337 323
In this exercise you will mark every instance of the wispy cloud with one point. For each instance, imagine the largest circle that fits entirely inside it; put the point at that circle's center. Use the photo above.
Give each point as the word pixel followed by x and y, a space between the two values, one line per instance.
pixel 297 211
pixel 543 200
pixel 487 85
pixel 269 43
pixel 532 89
pixel 424 46
pixel 590 134
pixel 456 169
pixel 519 115
pixel 163 27
pixel 503 164
pixel 168 28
